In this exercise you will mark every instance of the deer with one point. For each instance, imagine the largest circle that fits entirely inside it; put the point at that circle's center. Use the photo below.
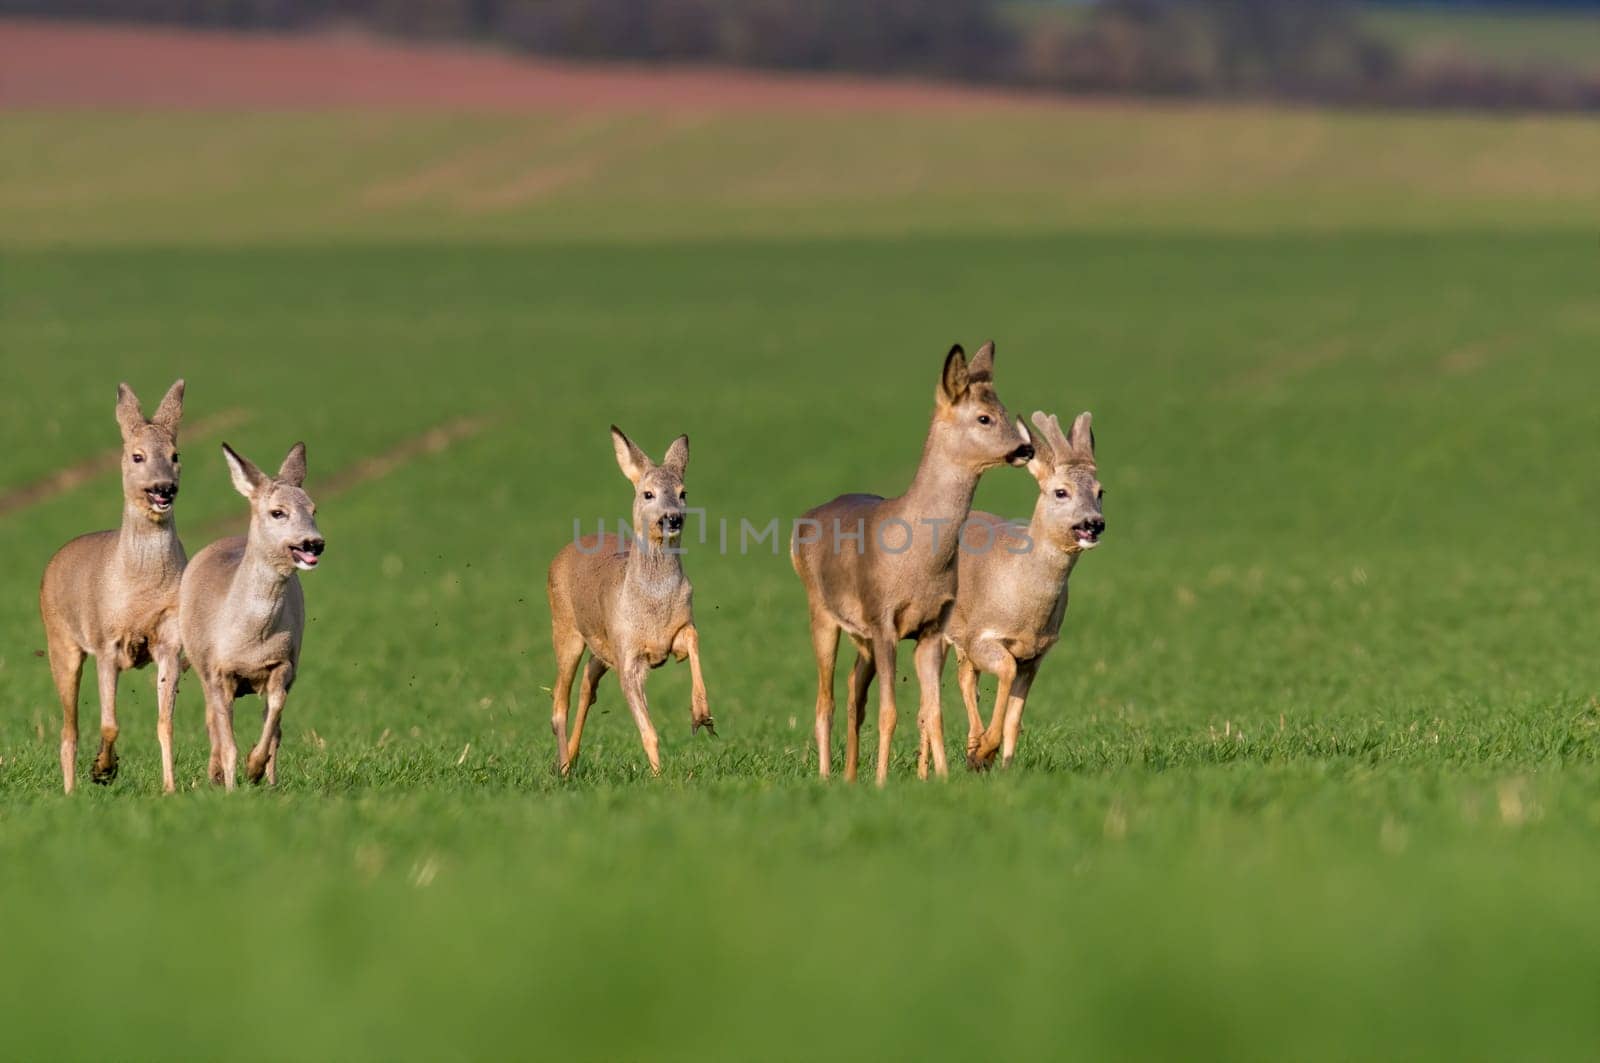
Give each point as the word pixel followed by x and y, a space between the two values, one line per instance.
pixel 884 570
pixel 1012 592
pixel 113 595
pixel 626 602
pixel 242 611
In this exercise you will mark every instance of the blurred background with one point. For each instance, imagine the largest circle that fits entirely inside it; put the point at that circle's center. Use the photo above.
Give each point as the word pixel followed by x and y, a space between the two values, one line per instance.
pixel 1313 772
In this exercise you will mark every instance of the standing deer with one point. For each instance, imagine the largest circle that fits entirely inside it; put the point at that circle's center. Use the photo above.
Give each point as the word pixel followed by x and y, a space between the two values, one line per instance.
pixel 883 570
pixel 1013 589
pixel 628 603
pixel 242 612
pixel 113 595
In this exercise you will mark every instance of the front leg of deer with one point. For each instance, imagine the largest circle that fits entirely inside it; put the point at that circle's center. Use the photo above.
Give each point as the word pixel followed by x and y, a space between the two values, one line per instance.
pixel 1004 666
pixel 262 757
pixel 1014 707
pixel 967 679
pixel 633 673
pixel 167 671
pixel 227 754
pixel 929 659
pixel 687 644
pixel 883 658
pixel 105 765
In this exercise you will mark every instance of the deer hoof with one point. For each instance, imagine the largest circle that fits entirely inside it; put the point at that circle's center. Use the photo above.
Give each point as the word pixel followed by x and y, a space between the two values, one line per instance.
pixel 255 767
pixel 104 770
pixel 708 723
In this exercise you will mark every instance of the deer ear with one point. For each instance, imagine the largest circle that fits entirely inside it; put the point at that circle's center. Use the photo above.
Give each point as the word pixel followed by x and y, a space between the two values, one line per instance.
pixel 953 381
pixel 130 417
pixel 982 365
pixel 677 458
pixel 633 462
pixel 293 469
pixel 1040 465
pixel 246 477
pixel 170 412
pixel 1082 437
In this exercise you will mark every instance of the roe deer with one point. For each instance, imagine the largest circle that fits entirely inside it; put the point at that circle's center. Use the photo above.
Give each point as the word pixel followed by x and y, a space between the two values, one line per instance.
pixel 113 595
pixel 627 601
pixel 1013 585
pixel 897 576
pixel 242 612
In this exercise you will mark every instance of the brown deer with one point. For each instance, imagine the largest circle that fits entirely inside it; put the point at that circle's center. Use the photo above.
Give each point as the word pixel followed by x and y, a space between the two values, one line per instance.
pixel 113 595
pixel 1013 585
pixel 627 602
pixel 883 570
pixel 242 611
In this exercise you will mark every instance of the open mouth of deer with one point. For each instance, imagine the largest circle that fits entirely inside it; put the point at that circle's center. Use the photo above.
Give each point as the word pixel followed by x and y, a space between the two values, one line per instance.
pixel 306 555
pixel 1087 533
pixel 1021 456
pixel 160 498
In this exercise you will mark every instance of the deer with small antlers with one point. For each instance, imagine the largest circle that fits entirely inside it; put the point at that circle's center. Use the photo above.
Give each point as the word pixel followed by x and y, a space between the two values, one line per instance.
pixel 113 595
pixel 242 611
pixel 627 602
pixel 884 570
pixel 1013 583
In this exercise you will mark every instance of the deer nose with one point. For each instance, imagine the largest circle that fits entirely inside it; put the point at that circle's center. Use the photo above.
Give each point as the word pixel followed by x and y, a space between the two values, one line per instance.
pixel 166 489
pixel 1096 525
pixel 1022 455
pixel 313 546
pixel 673 521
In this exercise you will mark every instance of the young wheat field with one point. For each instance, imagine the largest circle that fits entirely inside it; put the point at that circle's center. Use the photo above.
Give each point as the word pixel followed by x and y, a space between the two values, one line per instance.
pixel 1314 773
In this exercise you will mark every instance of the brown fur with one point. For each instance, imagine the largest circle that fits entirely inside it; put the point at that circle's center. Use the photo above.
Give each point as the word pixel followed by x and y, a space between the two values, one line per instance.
pixel 242 611
pixel 878 593
pixel 113 595
pixel 1013 584
pixel 628 604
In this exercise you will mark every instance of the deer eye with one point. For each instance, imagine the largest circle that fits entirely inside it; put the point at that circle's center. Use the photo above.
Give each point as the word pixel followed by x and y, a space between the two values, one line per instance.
pixel 278 514
pixel 1062 492
pixel 648 495
pixel 174 458
pixel 683 496
pixel 1099 492
pixel 138 459
pixel 984 418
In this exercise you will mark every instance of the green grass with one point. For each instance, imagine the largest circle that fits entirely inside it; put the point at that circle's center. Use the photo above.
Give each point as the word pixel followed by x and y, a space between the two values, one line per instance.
pixel 1314 774
pixel 1509 35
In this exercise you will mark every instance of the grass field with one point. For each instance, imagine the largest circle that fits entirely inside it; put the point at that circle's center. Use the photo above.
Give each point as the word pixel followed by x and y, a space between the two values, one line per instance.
pixel 1315 773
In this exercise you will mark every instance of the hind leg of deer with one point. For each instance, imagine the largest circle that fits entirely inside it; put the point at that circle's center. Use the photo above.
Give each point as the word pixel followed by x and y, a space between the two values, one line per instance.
pixel 593 670
pixel 277 692
pixel 105 764
pixel 167 671
pixel 861 675
pixel 569 653
pixel 66 668
pixel 825 645
pixel 883 658
pixel 1014 707
pixel 633 673
pixel 929 658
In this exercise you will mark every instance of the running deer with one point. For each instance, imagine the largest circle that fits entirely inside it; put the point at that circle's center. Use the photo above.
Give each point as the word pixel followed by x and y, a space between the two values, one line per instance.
pixel 883 570
pixel 1013 588
pixel 627 601
pixel 242 612
pixel 113 595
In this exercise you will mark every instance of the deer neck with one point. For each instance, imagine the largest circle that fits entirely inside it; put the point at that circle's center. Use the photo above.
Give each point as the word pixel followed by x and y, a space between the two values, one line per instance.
pixel 148 548
pixel 654 567
pixel 1047 558
pixel 258 585
pixel 942 490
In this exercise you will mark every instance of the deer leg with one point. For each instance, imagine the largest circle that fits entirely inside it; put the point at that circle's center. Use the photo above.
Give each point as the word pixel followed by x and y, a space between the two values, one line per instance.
pixel 569 652
pixel 276 694
pixel 167 672
pixel 1014 707
pixel 633 674
pixel 593 670
pixel 883 658
pixel 929 658
pixel 105 764
pixel 66 668
pixel 967 679
pixel 687 643
pixel 1004 667
pixel 825 645
pixel 861 674
pixel 222 717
